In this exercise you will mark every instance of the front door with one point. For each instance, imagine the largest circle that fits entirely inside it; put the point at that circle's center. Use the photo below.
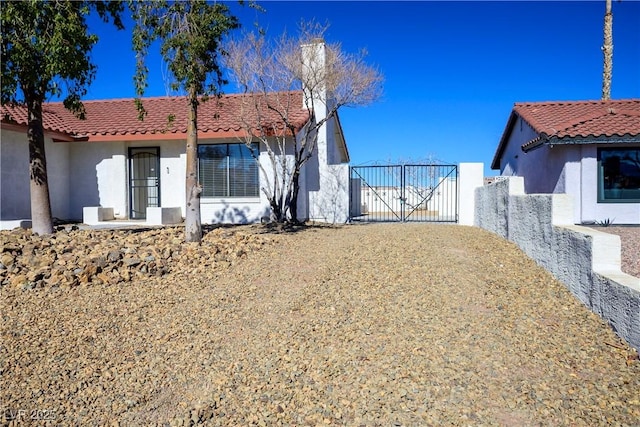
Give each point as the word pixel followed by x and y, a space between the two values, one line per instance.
pixel 144 180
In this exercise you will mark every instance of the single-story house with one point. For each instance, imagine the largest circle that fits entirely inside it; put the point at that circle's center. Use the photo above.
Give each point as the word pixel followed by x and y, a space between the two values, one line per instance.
pixel 587 149
pixel 115 161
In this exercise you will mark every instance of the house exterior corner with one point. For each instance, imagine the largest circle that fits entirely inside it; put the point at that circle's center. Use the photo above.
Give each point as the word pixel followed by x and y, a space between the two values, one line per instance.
pixel 589 150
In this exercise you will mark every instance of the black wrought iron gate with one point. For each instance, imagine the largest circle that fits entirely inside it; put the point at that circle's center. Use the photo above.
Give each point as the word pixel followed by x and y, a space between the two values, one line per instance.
pixel 144 180
pixel 404 193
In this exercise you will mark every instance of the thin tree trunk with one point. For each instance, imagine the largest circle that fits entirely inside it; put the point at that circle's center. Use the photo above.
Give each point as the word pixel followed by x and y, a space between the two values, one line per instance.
pixel 293 202
pixel 41 218
pixel 607 50
pixel 192 226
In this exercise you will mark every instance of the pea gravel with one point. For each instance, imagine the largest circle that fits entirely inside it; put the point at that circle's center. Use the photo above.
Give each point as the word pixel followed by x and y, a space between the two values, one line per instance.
pixel 372 325
pixel 630 247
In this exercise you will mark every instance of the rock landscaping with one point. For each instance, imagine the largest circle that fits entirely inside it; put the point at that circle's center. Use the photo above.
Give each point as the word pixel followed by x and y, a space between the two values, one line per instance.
pixel 360 325
pixel 74 257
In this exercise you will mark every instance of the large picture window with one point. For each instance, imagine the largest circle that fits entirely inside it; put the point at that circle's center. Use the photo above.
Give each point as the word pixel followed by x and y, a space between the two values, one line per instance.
pixel 619 175
pixel 228 170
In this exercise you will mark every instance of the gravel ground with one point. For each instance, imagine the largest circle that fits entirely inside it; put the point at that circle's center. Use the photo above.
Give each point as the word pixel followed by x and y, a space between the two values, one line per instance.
pixel 630 242
pixel 373 325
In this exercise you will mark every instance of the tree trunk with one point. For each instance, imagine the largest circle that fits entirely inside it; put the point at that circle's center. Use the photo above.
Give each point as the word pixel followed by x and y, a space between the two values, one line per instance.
pixel 293 201
pixel 607 50
pixel 192 226
pixel 41 218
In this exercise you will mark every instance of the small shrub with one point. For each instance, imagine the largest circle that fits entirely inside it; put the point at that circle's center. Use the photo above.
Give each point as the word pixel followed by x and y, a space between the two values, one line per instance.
pixel 605 222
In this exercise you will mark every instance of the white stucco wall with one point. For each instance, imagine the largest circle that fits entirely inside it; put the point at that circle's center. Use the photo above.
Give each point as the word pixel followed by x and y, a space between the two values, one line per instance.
pixel 58 174
pixel 329 200
pixel 173 166
pixel 14 177
pixel 327 173
pixel 542 169
pixel 98 177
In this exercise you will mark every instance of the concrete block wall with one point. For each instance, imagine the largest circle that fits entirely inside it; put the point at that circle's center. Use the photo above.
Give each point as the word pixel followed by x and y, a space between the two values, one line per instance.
pixel 587 261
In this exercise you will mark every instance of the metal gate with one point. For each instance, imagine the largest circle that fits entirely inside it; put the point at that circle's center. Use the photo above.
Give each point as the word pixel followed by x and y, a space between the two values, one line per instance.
pixel 404 193
pixel 144 181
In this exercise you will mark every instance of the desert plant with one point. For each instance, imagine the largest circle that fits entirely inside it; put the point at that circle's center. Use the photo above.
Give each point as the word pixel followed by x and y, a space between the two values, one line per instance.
pixel 605 222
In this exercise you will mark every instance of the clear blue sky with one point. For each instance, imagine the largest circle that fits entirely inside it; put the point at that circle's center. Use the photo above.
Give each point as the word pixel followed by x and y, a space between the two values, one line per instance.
pixel 453 70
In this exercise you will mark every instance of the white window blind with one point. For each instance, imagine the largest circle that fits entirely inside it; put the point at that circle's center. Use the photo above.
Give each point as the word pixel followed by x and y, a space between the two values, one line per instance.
pixel 228 170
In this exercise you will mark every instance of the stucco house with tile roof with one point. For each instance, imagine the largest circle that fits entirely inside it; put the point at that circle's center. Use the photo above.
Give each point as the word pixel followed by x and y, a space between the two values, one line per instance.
pixel 587 149
pixel 115 161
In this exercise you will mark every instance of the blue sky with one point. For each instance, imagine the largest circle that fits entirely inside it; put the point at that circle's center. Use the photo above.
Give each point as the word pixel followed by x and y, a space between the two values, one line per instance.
pixel 453 70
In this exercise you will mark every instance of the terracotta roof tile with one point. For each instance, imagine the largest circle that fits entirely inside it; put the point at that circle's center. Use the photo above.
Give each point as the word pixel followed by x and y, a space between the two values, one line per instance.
pixel 119 117
pixel 17 114
pixel 582 118
pixel 571 119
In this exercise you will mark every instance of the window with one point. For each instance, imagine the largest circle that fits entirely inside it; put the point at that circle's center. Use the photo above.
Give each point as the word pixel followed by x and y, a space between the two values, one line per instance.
pixel 228 170
pixel 619 174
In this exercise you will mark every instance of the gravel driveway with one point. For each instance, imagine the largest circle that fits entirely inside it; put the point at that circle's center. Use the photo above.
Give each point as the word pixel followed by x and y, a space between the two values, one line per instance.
pixel 374 325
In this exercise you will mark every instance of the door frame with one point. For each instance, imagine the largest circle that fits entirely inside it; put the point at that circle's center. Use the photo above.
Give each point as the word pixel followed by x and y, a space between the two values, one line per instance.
pixel 130 186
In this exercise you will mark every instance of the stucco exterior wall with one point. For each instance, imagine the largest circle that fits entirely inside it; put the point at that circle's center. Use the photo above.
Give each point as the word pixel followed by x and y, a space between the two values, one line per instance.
pixel 98 177
pixel 511 161
pixel 587 261
pixel 15 202
pixel 173 167
pixel 543 169
pixel 58 175
pixel 329 199
pixel 14 176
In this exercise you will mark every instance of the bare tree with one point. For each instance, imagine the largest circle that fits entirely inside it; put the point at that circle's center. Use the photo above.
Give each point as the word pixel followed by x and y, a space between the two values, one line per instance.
pixel 274 76
pixel 607 50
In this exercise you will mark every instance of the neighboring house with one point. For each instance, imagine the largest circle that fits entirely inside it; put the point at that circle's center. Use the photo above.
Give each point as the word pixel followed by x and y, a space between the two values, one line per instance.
pixel 587 149
pixel 113 160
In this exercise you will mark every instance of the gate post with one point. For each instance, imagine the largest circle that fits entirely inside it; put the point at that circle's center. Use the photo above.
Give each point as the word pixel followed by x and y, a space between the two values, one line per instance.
pixel 471 176
pixel 403 196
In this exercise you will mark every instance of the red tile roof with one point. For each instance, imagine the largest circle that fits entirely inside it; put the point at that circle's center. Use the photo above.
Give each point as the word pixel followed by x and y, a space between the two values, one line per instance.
pixel 582 118
pixel 565 120
pixel 118 119
pixel 17 114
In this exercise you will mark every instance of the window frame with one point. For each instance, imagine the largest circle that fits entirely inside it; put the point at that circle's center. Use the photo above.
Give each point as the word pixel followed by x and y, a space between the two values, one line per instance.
pixel 228 182
pixel 602 191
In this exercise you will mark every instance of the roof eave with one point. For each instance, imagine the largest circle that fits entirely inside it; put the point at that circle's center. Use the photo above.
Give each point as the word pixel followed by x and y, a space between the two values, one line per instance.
pixel 513 117
pixel 342 140
pixel 56 136
pixel 579 140
pixel 600 139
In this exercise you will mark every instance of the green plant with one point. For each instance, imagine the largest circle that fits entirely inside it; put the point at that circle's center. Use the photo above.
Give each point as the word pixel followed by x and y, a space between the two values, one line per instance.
pixel 605 222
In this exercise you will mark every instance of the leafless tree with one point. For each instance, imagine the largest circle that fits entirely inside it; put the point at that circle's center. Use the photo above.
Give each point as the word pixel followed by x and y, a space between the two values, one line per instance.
pixel 272 75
